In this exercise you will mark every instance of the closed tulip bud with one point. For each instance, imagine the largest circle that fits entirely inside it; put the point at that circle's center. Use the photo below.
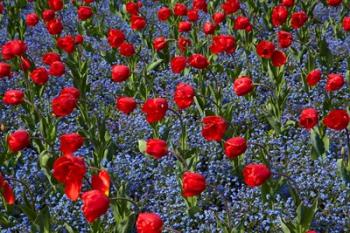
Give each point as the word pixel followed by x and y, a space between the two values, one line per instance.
pixel 285 39
pixel 138 22
pixel 55 5
pixel 115 38
pixel 185 26
pixel 278 58
pixel 256 174
pixel 193 184
pixel 125 104
pixel 5 70
pixel 48 15
pixel 95 204
pixel 243 85
pixel 287 3
pixel 209 28
pixel 180 9
pixel 84 13
pixel 164 13
pixel 346 23
pixel 66 43
pixel 50 57
pixel 18 140
pixel 334 2
pixel 192 15
pixel 54 26
pixel 13 97
pixel 235 147
pixel 230 6
pixel 218 17
pixel 159 43
pixel 71 91
pixel 298 19
pixel 126 49
pixel 6 191
pixel 279 15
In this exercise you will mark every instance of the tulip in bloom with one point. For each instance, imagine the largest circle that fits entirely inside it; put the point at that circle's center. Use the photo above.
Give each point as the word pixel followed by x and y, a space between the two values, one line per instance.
pixel 185 26
pixel 95 204
pixel 346 23
pixel 278 58
pixel 159 43
pixel 126 49
pixel 55 5
pixel 193 184
pixel 149 223
pixel 115 38
pixel 214 128
pixel 178 64
pixel 209 28
pixel 156 148
pixel 235 147
pixel 256 174
pixel 137 22
pixel 218 17
pixel 84 13
pixel 313 77
pixel 287 3
pixel 6 191
pixel 54 26
pixel 183 96
pixel 337 119
pixel 5 70
pixel 70 143
pixel 223 43
pixel 13 48
pixel 120 73
pixel 285 39
pixel 243 85
pixel 242 23
pixel 48 15
pixel 279 15
pixel 125 104
pixel 183 43
pixel 155 109
pixel 101 182
pixel 39 76
pixel 63 105
pixel 132 8
pixel 334 2
pixel 308 118
pixel 230 6
pixel 180 9
pixel 199 5
pixel 18 140
pixel 50 57
pixel 334 82
pixel 71 91
pixel 57 68
pixel 70 170
pixel 32 19
pixel 66 43
pixel 192 15
pixel 198 61
pixel 164 13
pixel 298 19
pixel 13 97
pixel 265 49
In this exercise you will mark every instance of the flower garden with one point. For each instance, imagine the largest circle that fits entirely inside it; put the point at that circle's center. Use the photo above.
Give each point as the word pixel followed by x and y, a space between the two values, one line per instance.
pixel 175 116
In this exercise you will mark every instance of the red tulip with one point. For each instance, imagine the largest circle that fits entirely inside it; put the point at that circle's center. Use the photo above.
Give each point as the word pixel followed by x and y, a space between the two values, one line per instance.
pixel 132 8
pixel 198 61
pixel 285 39
pixel 95 204
pixel 13 48
pixel 193 184
pixel 70 170
pixel 180 9
pixel 230 6
pixel 6 191
pixel 120 73
pixel 66 43
pixel 178 64
pixel 209 28
pixel 50 57
pixel 334 82
pixel 308 118
pixel 185 26
pixel 13 97
pixel 84 12
pixel 159 43
pixel 101 182
pixel 48 15
pixel 71 91
pixel 57 68
pixel 313 77
pixel 278 58
pixel 243 85
pixel 279 15
pixel 70 143
pixel 242 23
pixel 5 70
pixel 155 109
pixel 55 5
pixel 125 104
pixel 54 26
pixel 218 17
pixel 256 174
pixel 265 49
pixel 337 119
pixel 214 128
pixel 156 148
pixel 235 147
pixel 183 96
pixel 63 105
pixel 223 43
pixel 164 13
pixel 138 22
pixel 149 223
pixel 126 49
pixel 183 43
pixel 199 5
pixel 18 140
pixel 115 38
pixel 192 15
pixel 287 3
pixel 32 19
pixel 346 23
pixel 334 2
pixel 39 76
pixel 298 19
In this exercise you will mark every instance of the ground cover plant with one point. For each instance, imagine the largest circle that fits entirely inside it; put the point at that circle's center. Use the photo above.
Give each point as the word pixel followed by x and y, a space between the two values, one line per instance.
pixel 211 116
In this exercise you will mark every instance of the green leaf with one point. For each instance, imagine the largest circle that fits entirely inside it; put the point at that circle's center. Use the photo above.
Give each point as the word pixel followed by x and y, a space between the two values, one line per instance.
pixel 154 65
pixel 142 146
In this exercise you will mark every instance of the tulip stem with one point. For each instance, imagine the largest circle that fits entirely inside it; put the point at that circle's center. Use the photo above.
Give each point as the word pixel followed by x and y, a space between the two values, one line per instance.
pixel 348 142
pixel 128 200
pixel 171 230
